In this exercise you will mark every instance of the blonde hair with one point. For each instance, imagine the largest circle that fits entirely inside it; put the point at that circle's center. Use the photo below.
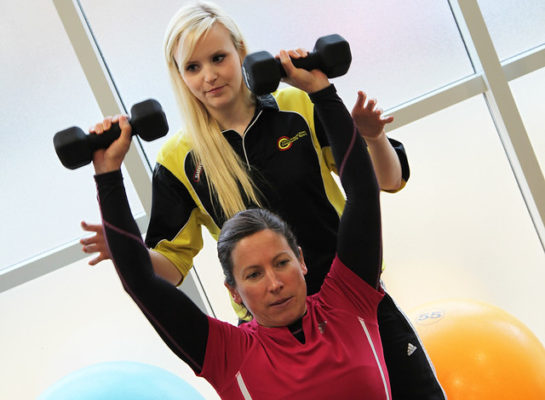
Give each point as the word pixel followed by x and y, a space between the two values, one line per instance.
pixel 226 175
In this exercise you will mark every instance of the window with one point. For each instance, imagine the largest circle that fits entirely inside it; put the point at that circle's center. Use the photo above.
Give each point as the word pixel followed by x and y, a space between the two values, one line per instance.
pixel 400 49
pixel 43 92
pixel 515 26
pixel 460 228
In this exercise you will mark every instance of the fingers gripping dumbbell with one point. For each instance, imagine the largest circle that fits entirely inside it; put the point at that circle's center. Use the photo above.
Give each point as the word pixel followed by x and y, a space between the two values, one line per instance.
pixel 262 72
pixel 75 148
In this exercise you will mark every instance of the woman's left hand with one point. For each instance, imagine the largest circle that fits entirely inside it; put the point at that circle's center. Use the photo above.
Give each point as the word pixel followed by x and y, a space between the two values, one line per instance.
pixel 368 118
pixel 308 81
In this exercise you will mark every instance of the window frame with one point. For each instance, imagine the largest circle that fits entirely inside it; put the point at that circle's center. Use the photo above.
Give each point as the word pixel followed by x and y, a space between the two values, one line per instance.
pixel 490 78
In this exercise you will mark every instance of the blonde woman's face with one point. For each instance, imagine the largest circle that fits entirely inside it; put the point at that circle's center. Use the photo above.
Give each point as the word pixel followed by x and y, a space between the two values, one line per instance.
pixel 213 71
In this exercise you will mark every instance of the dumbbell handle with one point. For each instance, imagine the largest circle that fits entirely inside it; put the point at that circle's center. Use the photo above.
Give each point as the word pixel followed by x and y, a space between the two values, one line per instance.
pixel 105 139
pixel 310 62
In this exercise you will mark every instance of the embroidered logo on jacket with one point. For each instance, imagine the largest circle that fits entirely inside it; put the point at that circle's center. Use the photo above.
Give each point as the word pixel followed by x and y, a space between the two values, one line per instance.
pixel 284 143
pixel 197 173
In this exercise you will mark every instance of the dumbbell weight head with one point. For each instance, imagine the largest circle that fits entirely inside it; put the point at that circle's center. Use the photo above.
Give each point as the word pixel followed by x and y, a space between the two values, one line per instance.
pixel 262 72
pixel 75 148
pixel 334 55
pixel 148 120
pixel 72 147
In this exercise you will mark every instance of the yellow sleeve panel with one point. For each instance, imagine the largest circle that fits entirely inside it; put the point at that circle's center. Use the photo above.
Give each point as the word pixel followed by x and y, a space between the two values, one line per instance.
pixel 188 241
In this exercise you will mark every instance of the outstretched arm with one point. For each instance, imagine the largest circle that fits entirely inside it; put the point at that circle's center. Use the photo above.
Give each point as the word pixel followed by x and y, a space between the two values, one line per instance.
pixel 180 323
pixel 97 244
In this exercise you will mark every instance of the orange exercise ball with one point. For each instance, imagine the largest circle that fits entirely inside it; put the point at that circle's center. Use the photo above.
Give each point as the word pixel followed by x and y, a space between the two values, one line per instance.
pixel 481 352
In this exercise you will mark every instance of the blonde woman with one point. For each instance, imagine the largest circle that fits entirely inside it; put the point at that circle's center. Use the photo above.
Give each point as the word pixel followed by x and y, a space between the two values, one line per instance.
pixel 237 151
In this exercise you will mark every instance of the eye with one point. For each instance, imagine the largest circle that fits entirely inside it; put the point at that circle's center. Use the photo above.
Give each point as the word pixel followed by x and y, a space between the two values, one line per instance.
pixel 218 58
pixel 283 262
pixel 253 275
pixel 191 67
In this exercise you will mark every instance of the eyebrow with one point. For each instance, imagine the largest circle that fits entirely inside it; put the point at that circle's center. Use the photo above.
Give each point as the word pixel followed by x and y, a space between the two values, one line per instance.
pixel 214 53
pixel 281 254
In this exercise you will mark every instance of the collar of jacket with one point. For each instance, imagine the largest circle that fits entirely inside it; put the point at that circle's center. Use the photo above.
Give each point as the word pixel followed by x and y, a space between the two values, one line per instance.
pixel 265 102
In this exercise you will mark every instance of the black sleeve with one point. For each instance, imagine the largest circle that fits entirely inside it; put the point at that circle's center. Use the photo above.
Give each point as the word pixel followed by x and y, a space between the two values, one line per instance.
pixel 359 240
pixel 402 155
pixel 171 206
pixel 179 322
pixel 397 145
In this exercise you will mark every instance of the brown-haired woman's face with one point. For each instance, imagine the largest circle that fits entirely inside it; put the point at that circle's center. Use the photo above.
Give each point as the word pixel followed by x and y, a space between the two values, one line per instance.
pixel 213 71
pixel 269 279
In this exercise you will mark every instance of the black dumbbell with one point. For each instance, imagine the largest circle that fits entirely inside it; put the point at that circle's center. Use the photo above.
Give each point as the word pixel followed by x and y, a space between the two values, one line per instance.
pixel 262 72
pixel 75 148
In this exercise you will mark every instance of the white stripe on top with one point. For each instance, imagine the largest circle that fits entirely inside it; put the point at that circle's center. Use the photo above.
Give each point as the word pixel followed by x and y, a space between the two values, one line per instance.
pixel 242 387
pixel 362 322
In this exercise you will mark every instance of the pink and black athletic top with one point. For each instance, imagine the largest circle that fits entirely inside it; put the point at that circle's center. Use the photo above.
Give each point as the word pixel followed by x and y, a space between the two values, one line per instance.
pixel 254 362
pixel 333 351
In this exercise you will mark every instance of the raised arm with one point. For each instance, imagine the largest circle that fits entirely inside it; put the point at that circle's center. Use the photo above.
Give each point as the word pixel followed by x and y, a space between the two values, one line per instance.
pixel 179 322
pixel 359 240
pixel 97 243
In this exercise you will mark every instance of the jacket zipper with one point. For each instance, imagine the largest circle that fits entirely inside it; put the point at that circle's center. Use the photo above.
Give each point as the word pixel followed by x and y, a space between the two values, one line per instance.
pixel 244 138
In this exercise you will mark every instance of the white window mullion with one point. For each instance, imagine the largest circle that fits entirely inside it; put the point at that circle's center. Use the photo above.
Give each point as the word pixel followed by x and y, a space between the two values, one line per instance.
pixel 504 110
pixel 47 262
pixel 525 63
pixel 103 88
pixel 435 101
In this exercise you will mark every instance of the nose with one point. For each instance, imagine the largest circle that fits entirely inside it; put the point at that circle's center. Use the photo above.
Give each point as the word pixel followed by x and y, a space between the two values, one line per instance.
pixel 210 74
pixel 275 284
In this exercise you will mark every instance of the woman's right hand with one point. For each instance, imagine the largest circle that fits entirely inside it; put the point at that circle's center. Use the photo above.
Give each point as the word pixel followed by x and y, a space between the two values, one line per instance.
pixel 96 243
pixel 110 159
pixel 308 81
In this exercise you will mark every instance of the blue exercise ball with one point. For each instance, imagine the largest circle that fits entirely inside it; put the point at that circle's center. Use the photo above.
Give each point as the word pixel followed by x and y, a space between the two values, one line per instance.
pixel 121 380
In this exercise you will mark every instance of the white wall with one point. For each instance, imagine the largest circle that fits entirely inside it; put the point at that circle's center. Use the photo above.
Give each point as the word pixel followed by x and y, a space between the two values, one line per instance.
pixel 70 319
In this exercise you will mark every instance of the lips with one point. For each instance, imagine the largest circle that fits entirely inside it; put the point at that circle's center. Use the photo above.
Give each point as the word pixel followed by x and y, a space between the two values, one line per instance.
pixel 281 302
pixel 215 90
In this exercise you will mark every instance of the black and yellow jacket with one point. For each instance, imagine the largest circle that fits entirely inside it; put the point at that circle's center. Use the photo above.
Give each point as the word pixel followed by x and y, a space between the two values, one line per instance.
pixel 289 160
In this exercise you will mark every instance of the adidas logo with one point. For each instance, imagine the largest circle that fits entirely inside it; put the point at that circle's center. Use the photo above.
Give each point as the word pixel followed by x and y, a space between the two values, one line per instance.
pixel 411 348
